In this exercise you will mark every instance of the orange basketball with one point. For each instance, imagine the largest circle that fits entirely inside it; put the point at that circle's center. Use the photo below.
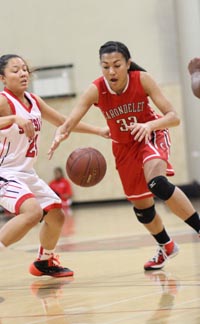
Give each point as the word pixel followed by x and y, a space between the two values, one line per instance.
pixel 86 167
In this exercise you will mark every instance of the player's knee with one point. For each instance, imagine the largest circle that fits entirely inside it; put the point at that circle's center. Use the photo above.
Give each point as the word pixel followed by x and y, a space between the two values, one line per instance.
pixel 161 187
pixel 55 217
pixel 145 216
pixel 34 216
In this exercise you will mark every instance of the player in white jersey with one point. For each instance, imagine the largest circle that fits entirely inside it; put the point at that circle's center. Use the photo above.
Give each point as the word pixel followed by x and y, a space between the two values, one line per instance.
pixel 22 192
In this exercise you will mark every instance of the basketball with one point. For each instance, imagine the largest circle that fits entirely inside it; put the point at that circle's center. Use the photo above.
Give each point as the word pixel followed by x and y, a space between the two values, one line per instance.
pixel 86 167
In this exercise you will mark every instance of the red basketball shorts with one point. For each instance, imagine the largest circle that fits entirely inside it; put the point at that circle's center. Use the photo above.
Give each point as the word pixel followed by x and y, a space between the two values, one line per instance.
pixel 131 157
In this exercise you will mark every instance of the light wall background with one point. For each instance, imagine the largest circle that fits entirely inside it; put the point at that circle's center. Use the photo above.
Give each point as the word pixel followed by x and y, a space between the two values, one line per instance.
pixel 47 32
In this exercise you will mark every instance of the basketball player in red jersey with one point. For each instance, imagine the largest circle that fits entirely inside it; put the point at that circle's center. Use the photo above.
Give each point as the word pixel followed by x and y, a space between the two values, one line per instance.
pixel 22 192
pixel 140 142
pixel 194 69
pixel 62 187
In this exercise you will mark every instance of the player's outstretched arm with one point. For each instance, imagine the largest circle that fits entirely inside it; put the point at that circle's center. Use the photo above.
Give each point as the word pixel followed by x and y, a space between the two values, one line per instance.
pixel 57 119
pixel 72 122
pixel 194 70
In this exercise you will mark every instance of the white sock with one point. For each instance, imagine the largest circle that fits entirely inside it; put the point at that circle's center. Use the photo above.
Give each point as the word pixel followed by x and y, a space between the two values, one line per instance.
pixel 2 246
pixel 44 254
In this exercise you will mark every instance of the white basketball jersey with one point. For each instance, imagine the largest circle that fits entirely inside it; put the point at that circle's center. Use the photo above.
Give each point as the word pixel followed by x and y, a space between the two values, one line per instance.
pixel 17 152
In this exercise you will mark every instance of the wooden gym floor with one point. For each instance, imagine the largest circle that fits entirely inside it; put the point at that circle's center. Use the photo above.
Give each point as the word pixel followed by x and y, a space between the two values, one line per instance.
pixel 107 251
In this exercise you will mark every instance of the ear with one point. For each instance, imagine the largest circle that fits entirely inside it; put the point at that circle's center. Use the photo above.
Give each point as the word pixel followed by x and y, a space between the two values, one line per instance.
pixel 129 64
pixel 2 78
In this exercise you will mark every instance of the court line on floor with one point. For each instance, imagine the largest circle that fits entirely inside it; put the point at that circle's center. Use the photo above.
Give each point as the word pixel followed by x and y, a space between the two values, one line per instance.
pixel 90 311
pixel 116 302
pixel 173 309
pixel 84 310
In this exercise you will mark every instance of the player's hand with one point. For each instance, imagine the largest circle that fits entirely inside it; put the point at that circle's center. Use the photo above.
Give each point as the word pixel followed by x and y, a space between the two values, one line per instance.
pixel 141 131
pixel 194 65
pixel 105 132
pixel 61 135
pixel 27 126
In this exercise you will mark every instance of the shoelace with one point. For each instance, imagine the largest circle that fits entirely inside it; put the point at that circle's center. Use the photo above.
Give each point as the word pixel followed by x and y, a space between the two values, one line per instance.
pixel 159 252
pixel 55 260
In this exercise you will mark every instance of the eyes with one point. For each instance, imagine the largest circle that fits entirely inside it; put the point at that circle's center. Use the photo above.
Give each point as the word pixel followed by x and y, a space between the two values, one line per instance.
pixel 16 70
pixel 117 66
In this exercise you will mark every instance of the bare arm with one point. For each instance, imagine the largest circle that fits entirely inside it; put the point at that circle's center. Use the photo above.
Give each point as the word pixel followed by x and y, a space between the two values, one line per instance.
pixel 88 98
pixel 194 70
pixel 57 119
pixel 169 119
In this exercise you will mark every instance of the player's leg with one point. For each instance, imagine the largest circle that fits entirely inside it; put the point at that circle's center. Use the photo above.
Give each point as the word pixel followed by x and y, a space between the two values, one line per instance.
pixel 146 214
pixel 135 187
pixel 51 228
pixel 47 263
pixel 29 215
pixel 174 198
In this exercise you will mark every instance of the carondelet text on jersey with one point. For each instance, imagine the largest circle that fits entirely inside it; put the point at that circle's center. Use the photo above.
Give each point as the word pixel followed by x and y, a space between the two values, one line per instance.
pixel 134 107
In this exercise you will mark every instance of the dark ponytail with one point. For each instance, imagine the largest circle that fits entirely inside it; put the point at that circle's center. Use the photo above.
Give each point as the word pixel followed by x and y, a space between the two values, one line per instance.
pixel 4 59
pixel 136 67
pixel 112 46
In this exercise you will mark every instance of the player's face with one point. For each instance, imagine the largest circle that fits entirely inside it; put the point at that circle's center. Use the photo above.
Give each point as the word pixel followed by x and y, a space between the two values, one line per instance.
pixel 115 70
pixel 16 75
pixel 57 174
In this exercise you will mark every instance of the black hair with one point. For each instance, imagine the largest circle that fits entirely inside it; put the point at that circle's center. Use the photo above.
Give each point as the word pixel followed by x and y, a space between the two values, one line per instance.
pixel 59 169
pixel 4 59
pixel 112 46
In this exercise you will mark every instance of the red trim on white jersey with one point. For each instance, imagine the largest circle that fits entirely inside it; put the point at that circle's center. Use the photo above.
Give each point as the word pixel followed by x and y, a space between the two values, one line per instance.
pixel 12 106
pixel 21 103
pixel 53 206
pixel 37 102
pixel 21 200
pixel 17 146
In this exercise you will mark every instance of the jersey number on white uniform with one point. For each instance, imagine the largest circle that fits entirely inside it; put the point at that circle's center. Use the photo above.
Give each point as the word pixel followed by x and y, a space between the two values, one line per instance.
pixel 126 122
pixel 32 150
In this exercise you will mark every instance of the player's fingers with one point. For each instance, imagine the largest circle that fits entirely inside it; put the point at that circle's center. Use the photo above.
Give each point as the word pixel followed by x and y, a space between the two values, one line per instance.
pixel 29 130
pixel 141 132
pixel 135 129
pixel 53 147
pixel 63 136
pixel 50 154
pixel 55 144
pixel 141 137
pixel 147 138
pixel 107 134
pixel 52 150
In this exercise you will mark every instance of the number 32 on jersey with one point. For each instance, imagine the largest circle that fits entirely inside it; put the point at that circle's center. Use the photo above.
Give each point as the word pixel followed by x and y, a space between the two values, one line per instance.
pixel 124 123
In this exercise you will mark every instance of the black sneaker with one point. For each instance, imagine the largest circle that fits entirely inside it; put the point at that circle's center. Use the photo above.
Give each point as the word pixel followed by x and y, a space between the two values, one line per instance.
pixel 50 267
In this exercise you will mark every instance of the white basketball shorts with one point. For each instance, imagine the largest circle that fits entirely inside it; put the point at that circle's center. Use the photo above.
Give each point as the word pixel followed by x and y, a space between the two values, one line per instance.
pixel 16 187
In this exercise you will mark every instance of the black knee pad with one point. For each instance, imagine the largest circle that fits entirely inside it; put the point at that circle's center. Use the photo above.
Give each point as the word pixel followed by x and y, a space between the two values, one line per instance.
pixel 161 187
pixel 145 216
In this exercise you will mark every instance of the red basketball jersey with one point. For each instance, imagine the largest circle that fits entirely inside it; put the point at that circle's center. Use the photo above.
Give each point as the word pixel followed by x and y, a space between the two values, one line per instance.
pixel 121 110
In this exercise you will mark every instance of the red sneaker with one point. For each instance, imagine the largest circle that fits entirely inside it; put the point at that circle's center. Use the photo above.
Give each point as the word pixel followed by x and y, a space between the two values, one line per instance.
pixel 50 267
pixel 163 253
